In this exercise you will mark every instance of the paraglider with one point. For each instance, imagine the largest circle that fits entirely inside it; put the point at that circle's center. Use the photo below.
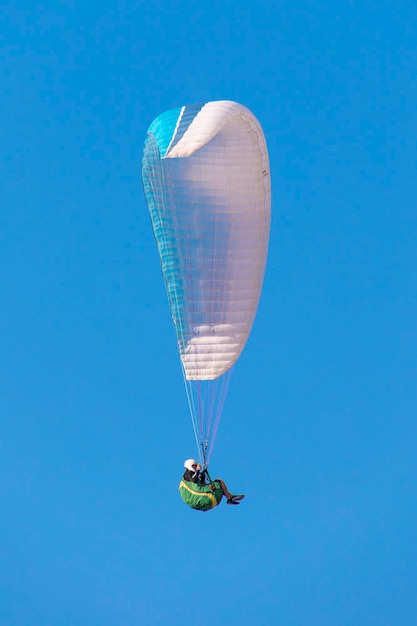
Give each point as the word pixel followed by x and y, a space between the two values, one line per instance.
pixel 200 492
pixel 206 179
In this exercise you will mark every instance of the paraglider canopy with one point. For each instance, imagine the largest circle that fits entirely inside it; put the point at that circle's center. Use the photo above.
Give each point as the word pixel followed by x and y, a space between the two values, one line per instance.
pixel 207 185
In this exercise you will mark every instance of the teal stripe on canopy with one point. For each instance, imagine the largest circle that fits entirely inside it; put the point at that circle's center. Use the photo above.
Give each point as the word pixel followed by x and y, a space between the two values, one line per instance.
pixel 163 127
pixel 163 223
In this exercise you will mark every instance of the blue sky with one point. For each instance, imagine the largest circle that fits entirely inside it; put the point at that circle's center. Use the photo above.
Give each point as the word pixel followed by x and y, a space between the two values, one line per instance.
pixel 319 428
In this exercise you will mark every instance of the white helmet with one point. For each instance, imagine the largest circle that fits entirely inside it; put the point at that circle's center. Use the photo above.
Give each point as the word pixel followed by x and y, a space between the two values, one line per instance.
pixel 188 464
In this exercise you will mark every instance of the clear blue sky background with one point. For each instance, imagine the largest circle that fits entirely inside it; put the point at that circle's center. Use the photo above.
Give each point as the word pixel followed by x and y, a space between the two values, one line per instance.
pixel 319 429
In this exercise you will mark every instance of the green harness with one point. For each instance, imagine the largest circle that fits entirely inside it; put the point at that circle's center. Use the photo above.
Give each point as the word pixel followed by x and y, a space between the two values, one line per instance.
pixel 201 497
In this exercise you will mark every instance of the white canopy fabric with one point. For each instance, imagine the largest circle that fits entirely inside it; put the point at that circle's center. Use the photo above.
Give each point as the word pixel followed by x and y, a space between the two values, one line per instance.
pixel 207 184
